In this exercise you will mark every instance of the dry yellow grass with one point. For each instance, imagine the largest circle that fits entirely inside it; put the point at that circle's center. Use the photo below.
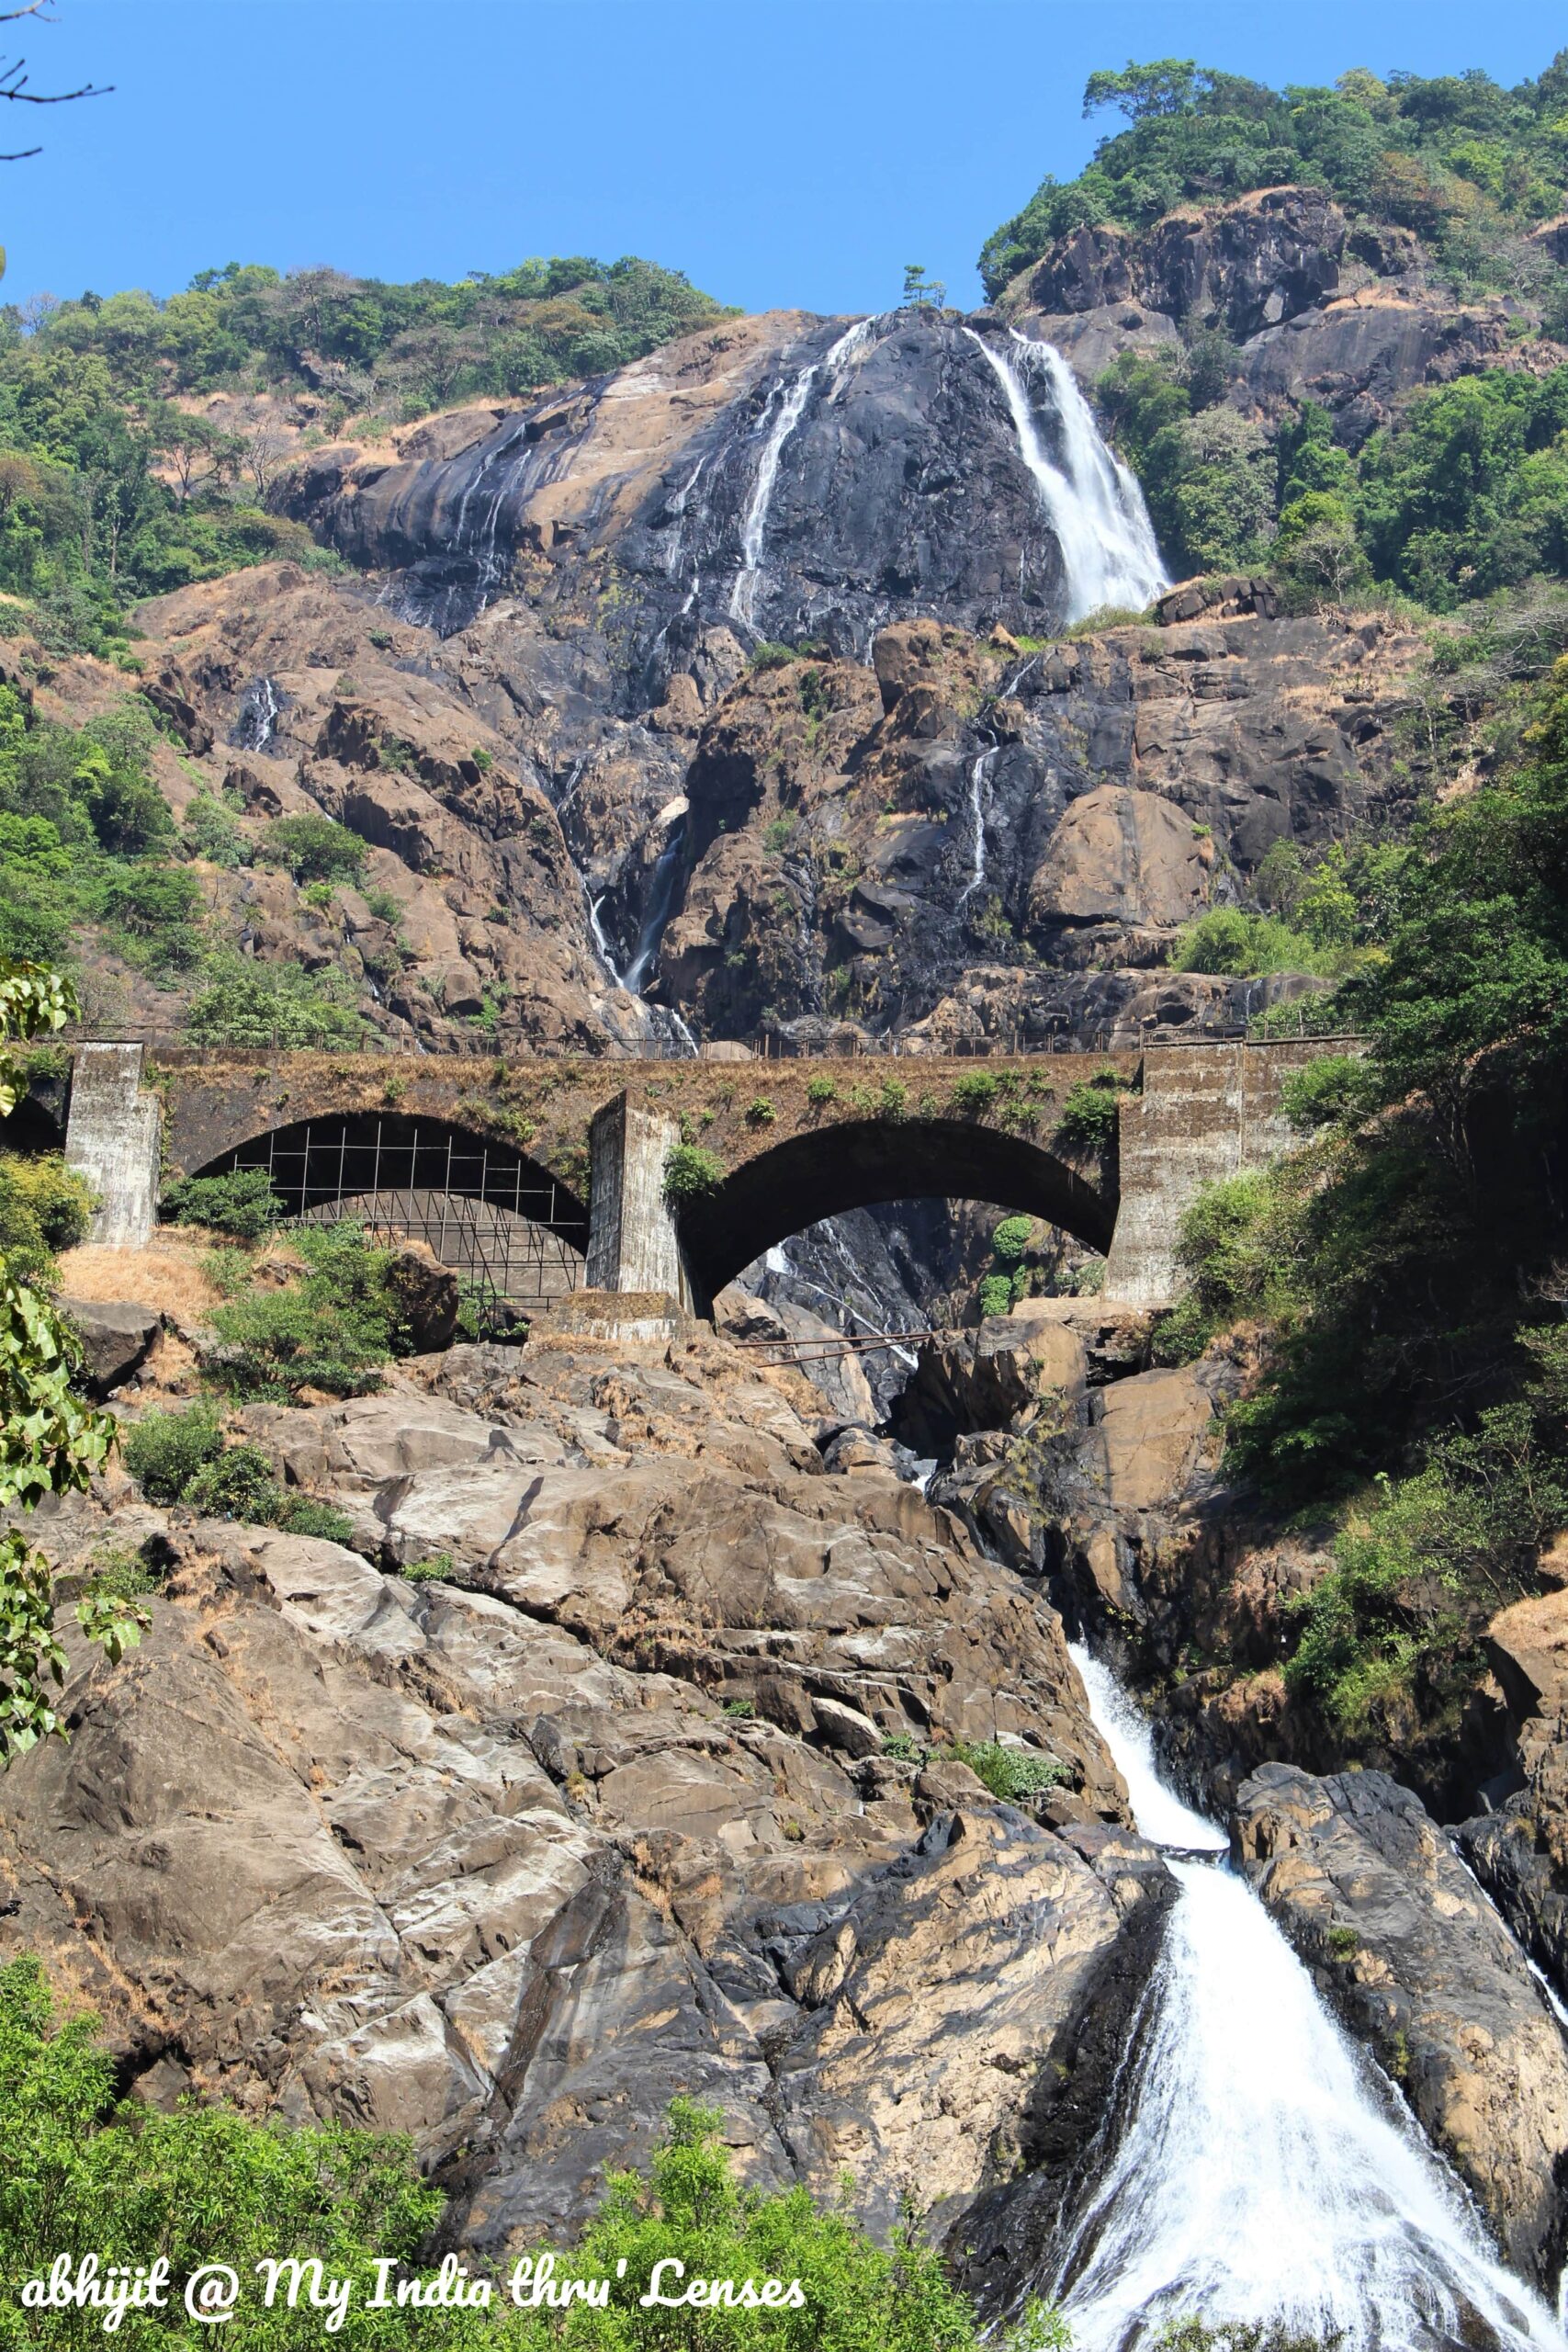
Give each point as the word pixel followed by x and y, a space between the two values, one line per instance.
pixel 167 1275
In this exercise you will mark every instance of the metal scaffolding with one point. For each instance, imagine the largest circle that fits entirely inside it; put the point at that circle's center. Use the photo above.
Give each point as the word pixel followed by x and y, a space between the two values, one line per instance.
pixel 502 1225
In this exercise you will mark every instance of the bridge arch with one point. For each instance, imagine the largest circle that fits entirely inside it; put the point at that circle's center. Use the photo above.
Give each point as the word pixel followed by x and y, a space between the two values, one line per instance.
pixel 854 1164
pixel 485 1208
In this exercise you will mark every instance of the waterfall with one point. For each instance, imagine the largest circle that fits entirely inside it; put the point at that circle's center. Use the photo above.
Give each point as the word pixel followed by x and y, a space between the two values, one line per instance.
pixel 660 899
pixel 601 943
pixel 790 408
pixel 255 722
pixel 1095 508
pixel 1263 2171
pixel 978 774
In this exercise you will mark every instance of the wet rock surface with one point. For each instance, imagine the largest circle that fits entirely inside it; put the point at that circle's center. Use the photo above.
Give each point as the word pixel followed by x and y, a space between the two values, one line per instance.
pixel 1415 1959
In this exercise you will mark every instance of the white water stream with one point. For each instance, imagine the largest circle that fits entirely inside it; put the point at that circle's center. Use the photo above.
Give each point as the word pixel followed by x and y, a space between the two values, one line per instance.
pixel 1264 2171
pixel 979 775
pixel 790 409
pixel 1109 556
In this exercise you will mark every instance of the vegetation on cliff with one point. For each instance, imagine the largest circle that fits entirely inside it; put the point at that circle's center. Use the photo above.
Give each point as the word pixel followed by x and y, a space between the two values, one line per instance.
pixel 1464 493
pixel 120 477
pixel 1386 1261
pixel 1461 161
pixel 92 863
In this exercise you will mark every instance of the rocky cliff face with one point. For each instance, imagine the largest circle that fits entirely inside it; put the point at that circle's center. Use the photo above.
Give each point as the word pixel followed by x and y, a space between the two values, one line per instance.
pixel 533 693
pixel 573 1793
pixel 1353 317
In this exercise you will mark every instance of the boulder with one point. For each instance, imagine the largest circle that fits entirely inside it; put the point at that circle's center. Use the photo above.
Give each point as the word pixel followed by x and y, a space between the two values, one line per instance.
pixel 116 1336
pixel 1151 1427
pixel 614 1785
pixel 1419 1964
pixel 427 1293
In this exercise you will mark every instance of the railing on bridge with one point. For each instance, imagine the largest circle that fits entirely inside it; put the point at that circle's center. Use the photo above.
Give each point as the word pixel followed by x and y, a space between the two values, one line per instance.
pixel 837 1044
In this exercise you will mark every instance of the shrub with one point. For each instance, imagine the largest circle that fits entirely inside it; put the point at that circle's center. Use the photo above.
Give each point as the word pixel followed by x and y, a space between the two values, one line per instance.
pixel 893 1103
pixel 759 1112
pixel 975 1091
pixel 333 1329
pixel 902 1747
pixel 1010 1239
pixel 206 2184
pixel 155 909
pixel 1246 947
pixel 313 849
pixel 164 1451
pixel 1090 1114
pixel 996 1295
pixel 240 1483
pixel 821 1091
pixel 690 1171
pixel 246 1003
pixel 436 1567
pixel 201 2184
pixel 44 1206
pixel 122 1574
pixel 241 1203
pixel 1333 1087
pixel 211 834
pixel 304 1515
pixel 1017 1775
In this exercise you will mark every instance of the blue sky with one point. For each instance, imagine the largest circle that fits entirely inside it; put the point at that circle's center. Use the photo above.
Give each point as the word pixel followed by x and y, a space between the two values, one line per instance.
pixel 779 152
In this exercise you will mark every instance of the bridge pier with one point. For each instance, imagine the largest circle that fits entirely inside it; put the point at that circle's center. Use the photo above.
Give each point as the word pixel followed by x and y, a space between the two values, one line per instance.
pixel 632 1242
pixel 1204 1112
pixel 112 1137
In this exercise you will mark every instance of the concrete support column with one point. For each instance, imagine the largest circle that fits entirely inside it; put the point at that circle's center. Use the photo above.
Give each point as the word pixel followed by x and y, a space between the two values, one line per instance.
pixel 1205 1111
pixel 632 1242
pixel 112 1137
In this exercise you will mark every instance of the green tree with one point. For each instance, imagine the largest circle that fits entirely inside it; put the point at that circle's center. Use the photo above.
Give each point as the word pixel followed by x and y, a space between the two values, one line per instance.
pixel 50 1441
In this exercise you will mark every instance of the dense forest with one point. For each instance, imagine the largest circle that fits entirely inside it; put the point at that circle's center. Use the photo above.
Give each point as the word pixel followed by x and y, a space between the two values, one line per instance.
pixel 1465 163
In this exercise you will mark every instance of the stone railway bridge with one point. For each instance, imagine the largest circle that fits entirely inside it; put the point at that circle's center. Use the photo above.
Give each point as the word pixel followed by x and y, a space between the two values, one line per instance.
pixel 554 1171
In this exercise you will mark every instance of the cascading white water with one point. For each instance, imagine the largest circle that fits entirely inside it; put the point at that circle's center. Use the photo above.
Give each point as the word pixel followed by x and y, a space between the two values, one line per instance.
pixel 978 774
pixel 787 415
pixel 1262 2172
pixel 601 947
pixel 1110 555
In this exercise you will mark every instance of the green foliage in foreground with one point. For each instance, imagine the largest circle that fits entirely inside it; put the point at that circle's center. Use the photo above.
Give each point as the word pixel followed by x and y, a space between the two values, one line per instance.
pixel 205 2184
